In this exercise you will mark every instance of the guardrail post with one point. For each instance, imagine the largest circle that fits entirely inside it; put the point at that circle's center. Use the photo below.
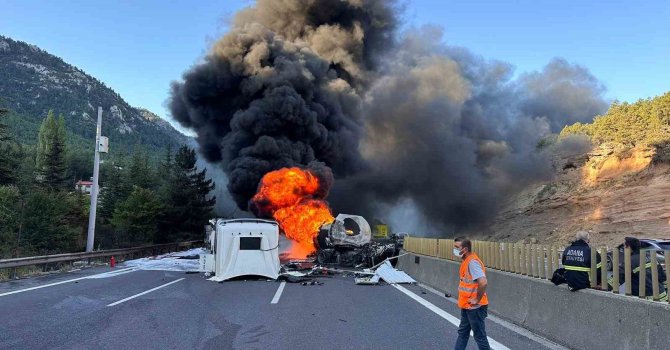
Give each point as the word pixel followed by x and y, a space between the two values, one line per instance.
pixel 654 274
pixel 503 256
pixel 515 257
pixel 533 260
pixel 492 254
pixel 498 256
pixel 510 257
pixel 489 253
pixel 615 271
pixel 627 271
pixel 508 264
pixel 603 269
pixel 542 262
pixel 593 275
pixel 551 259
pixel 642 274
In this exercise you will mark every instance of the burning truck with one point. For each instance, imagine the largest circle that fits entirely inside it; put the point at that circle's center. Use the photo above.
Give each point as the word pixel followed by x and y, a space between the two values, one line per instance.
pixel 295 198
pixel 347 241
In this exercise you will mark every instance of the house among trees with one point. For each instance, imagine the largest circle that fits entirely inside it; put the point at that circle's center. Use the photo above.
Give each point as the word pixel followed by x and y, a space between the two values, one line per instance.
pixel 84 186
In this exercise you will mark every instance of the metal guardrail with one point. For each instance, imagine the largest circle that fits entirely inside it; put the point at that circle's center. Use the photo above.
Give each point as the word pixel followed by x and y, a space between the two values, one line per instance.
pixel 46 259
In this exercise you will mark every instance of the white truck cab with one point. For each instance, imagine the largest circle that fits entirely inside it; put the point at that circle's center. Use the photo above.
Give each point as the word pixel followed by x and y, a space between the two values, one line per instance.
pixel 242 247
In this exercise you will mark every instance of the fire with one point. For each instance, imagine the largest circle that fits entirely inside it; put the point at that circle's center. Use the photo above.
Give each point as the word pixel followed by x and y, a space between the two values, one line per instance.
pixel 295 198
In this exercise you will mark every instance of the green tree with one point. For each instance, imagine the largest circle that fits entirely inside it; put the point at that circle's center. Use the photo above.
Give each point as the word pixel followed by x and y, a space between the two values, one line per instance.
pixel 187 197
pixel 113 190
pixel 50 162
pixel 9 220
pixel 8 160
pixel 136 218
pixel 644 122
pixel 140 172
pixel 55 222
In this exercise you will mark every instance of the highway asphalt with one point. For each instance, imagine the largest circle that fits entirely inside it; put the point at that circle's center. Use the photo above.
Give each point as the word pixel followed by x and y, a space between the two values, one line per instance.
pixel 135 309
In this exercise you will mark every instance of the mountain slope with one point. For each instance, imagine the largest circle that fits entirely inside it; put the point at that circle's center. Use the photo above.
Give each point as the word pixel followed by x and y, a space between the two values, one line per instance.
pixel 620 188
pixel 32 81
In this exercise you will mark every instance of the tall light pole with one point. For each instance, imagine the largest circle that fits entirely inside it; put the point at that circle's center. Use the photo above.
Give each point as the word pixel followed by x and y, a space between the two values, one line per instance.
pixel 100 141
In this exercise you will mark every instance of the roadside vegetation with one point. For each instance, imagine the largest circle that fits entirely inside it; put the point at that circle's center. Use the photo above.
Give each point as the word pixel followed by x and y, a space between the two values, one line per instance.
pixel 643 123
pixel 144 198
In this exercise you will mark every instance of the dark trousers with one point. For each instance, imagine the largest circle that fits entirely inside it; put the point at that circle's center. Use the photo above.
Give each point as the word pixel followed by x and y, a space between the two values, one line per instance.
pixel 472 320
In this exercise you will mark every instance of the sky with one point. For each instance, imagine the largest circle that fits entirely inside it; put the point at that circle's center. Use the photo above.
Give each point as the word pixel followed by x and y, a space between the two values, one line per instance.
pixel 139 47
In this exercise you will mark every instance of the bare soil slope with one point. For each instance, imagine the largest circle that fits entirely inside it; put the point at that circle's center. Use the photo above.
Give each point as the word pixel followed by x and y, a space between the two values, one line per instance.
pixel 610 192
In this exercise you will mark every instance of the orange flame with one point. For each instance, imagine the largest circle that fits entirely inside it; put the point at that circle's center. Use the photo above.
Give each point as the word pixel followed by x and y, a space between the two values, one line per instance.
pixel 294 197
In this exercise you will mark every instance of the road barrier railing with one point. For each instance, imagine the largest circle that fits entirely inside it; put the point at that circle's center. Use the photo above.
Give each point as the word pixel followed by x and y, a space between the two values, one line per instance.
pixel 119 254
pixel 540 261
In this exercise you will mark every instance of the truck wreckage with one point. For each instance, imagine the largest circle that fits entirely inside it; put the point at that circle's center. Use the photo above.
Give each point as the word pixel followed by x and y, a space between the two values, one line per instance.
pixel 347 242
pixel 250 247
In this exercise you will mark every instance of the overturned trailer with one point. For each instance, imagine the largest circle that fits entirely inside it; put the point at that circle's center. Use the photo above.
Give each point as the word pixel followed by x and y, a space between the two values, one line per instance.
pixel 347 241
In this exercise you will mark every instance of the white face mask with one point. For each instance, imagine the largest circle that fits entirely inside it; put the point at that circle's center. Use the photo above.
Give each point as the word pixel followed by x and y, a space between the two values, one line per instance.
pixel 457 252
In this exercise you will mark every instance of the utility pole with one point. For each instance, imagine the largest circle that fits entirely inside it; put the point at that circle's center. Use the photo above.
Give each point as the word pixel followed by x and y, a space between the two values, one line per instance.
pixel 94 188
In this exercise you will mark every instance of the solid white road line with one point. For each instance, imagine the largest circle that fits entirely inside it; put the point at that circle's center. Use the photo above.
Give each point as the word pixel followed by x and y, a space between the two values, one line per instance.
pixel 278 293
pixel 511 326
pixel 145 292
pixel 129 269
pixel 113 273
pixel 453 320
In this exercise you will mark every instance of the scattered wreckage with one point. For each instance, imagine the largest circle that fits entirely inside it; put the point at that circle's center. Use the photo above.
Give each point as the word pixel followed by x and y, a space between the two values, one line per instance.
pixel 241 247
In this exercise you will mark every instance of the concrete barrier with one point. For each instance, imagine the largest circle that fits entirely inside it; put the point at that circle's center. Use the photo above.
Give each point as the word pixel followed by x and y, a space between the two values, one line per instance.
pixel 586 319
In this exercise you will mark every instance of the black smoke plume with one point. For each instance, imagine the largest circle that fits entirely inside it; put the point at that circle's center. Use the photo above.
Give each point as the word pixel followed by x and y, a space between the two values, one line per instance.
pixel 283 88
pixel 402 119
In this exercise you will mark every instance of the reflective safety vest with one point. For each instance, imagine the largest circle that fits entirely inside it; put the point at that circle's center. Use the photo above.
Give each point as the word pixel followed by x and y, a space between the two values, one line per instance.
pixel 467 287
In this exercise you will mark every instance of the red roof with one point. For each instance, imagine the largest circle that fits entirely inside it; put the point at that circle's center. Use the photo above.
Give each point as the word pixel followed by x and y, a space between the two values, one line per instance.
pixel 84 183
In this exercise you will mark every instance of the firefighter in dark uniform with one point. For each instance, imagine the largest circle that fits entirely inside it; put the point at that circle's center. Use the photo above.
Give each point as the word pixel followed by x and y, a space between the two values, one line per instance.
pixel 634 245
pixel 577 263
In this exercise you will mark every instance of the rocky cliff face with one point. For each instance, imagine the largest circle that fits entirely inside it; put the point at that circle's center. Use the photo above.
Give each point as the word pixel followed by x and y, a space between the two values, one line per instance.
pixel 611 192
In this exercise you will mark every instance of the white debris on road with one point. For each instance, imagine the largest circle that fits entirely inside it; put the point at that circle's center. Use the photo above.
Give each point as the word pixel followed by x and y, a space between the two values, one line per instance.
pixel 385 272
pixel 391 275
pixel 169 262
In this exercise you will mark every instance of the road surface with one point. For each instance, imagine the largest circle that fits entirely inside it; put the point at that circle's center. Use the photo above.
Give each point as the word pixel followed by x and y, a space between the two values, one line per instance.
pixel 136 309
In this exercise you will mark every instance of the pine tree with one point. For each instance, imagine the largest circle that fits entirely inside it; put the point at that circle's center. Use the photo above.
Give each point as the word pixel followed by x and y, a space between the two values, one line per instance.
pixel 136 217
pixel 50 162
pixel 54 222
pixel 4 133
pixel 8 163
pixel 140 172
pixel 10 214
pixel 186 196
pixel 113 190
pixel 168 161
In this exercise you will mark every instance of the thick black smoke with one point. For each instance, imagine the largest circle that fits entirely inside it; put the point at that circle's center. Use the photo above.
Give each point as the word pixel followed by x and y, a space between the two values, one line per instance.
pixel 449 134
pixel 402 119
pixel 283 88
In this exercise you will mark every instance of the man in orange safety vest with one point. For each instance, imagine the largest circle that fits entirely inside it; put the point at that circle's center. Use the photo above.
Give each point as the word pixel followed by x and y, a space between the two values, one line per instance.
pixel 472 299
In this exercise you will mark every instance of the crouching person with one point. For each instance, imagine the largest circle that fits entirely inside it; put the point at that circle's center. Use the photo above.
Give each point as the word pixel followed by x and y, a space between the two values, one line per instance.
pixel 577 263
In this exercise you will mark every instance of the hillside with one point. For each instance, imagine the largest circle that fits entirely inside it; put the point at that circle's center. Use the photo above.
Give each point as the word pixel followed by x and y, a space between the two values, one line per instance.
pixel 32 81
pixel 621 187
